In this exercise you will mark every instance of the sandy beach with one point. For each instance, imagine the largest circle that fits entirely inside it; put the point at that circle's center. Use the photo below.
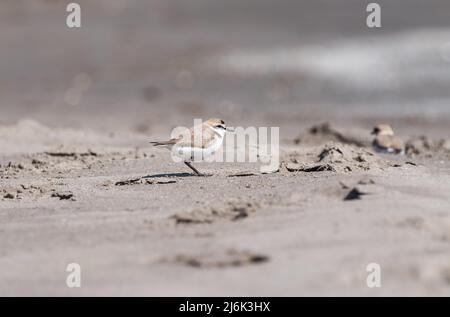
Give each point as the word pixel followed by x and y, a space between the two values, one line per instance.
pixel 80 183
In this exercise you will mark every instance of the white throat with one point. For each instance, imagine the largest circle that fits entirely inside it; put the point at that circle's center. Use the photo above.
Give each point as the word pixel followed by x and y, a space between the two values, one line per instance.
pixel 219 132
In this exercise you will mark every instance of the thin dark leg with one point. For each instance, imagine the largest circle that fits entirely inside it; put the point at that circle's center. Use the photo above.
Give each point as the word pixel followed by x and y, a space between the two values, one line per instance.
pixel 193 168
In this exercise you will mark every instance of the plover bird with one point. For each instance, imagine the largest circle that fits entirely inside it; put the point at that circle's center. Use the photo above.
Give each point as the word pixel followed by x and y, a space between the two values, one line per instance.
pixel 201 141
pixel 385 141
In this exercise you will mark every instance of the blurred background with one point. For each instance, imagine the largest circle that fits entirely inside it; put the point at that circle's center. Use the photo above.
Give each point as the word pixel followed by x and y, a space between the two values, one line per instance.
pixel 139 65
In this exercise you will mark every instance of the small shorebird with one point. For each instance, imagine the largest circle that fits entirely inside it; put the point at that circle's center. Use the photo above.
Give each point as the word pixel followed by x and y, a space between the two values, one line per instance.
pixel 201 141
pixel 385 140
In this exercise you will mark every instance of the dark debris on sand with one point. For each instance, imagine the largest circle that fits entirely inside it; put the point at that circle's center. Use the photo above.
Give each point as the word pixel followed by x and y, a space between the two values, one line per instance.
pixel 230 211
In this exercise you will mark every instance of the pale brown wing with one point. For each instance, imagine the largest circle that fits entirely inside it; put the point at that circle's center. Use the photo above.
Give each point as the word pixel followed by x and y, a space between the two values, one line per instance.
pixel 208 136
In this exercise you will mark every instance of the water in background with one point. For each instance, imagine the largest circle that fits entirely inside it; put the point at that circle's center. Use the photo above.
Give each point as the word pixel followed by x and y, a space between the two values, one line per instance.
pixel 140 64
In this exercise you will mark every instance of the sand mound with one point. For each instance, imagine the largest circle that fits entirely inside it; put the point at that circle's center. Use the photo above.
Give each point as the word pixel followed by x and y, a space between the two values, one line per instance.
pixel 49 162
pixel 424 145
pixel 26 128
